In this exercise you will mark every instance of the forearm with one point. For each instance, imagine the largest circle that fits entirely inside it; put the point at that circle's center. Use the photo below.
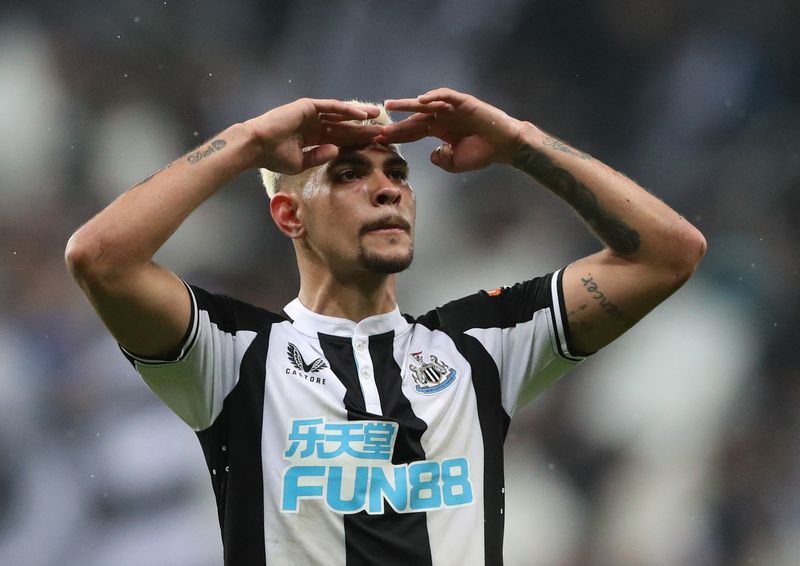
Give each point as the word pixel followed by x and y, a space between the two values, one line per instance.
pixel 631 222
pixel 129 231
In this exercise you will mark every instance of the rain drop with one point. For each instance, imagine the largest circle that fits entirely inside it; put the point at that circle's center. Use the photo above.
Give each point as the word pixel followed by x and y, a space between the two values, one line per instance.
pixel 214 472
pixel 137 19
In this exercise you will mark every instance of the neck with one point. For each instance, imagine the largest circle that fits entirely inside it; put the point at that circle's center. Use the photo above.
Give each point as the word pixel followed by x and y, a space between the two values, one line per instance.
pixel 352 298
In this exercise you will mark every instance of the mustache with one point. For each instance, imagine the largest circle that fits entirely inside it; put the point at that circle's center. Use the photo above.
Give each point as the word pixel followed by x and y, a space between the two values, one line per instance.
pixel 392 221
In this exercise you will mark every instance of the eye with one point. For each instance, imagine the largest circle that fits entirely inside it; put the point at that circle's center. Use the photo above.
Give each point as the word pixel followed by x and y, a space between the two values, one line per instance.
pixel 399 174
pixel 347 175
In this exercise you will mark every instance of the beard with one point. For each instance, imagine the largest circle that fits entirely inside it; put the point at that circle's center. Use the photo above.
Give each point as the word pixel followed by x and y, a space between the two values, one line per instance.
pixel 377 263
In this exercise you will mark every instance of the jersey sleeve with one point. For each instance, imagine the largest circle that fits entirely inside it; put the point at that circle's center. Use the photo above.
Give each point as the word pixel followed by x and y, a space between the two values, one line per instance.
pixel 196 382
pixel 524 329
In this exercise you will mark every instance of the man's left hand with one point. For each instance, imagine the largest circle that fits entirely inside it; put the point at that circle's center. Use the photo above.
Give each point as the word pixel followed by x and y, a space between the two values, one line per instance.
pixel 475 134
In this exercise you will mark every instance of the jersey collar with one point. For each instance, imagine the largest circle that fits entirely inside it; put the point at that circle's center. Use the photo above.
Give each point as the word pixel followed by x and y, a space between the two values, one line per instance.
pixel 310 323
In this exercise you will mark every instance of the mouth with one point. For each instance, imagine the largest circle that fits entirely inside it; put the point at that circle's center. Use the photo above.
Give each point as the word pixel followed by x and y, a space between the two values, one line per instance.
pixel 389 226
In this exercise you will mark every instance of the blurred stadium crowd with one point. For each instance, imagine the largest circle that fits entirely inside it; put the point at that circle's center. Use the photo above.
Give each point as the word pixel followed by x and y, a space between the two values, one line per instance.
pixel 678 444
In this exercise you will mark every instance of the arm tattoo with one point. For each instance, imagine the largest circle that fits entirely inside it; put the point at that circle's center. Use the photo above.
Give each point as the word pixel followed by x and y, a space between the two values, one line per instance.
pixel 559 145
pixel 620 237
pixel 199 154
pixel 608 307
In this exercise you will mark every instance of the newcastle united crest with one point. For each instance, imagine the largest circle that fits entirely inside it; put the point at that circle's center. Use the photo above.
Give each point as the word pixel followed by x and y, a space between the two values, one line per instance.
pixel 432 376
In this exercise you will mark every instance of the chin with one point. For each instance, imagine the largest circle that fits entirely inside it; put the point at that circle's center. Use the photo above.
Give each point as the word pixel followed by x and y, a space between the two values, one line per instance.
pixel 386 262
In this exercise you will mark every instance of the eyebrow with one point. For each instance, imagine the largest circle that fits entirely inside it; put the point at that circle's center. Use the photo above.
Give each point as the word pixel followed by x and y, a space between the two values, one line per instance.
pixel 357 159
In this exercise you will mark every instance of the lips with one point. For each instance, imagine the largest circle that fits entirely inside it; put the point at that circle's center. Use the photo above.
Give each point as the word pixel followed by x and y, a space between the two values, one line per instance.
pixel 389 225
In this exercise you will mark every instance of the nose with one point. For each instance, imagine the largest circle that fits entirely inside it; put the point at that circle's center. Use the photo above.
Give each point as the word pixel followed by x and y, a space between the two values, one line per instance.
pixel 384 190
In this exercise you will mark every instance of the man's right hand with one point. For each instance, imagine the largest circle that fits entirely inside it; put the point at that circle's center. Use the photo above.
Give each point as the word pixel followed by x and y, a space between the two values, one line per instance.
pixel 306 133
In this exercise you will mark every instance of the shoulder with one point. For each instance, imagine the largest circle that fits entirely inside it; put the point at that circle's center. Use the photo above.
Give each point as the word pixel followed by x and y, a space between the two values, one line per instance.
pixel 230 314
pixel 498 308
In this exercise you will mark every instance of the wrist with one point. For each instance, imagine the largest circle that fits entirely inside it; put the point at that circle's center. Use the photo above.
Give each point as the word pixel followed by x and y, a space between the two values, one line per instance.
pixel 248 150
pixel 525 134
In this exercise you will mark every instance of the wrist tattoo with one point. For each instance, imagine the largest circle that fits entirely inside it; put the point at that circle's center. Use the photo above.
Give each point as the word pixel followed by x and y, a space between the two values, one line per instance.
pixel 559 145
pixel 199 154
pixel 620 237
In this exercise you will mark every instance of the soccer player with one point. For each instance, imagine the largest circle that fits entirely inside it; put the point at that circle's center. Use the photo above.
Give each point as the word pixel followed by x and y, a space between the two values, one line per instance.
pixel 338 431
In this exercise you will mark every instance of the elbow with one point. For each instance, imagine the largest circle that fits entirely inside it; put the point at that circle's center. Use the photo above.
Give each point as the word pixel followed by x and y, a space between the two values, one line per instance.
pixel 77 256
pixel 692 249
pixel 84 258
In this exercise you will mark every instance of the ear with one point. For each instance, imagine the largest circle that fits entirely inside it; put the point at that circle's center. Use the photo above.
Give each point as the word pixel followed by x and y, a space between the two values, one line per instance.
pixel 285 210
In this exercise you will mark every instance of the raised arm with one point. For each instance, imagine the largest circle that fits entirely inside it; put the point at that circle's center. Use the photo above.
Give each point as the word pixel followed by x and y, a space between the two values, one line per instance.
pixel 650 250
pixel 146 307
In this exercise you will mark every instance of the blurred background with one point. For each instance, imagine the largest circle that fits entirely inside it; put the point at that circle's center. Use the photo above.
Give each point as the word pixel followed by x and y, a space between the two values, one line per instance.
pixel 677 444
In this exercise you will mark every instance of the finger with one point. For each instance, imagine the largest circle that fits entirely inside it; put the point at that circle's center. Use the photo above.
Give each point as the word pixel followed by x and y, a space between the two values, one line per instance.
pixel 328 117
pixel 442 157
pixel 409 130
pixel 331 106
pixel 348 133
pixel 316 156
pixel 443 94
pixel 414 105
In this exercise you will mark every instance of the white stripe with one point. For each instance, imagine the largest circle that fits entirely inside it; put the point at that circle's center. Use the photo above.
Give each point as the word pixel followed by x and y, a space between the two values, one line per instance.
pixel 560 333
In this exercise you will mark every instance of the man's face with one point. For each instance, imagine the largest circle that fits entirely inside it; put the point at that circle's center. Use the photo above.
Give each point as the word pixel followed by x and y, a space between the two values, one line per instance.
pixel 359 211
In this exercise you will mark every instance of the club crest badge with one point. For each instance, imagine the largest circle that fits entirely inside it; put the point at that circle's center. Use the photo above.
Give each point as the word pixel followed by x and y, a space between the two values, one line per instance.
pixel 432 376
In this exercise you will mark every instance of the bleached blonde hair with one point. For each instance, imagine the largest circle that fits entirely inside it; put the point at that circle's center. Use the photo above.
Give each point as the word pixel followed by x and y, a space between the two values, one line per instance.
pixel 273 181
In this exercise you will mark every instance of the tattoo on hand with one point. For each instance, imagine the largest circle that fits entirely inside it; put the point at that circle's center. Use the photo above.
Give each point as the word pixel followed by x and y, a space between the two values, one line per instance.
pixel 620 237
pixel 559 145
pixel 612 310
pixel 213 147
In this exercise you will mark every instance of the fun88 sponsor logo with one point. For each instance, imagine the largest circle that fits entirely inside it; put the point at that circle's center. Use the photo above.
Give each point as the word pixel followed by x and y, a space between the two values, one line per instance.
pixel 348 465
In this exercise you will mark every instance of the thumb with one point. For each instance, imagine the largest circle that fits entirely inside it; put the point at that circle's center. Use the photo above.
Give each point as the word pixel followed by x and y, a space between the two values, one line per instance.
pixel 442 157
pixel 317 155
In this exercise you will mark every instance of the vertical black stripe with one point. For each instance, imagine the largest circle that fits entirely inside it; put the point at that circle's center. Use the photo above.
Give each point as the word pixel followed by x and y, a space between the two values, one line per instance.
pixel 494 423
pixel 339 354
pixel 391 539
pixel 232 448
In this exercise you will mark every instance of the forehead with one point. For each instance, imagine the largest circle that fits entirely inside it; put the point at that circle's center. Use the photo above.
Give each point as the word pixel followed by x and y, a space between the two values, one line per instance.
pixel 373 152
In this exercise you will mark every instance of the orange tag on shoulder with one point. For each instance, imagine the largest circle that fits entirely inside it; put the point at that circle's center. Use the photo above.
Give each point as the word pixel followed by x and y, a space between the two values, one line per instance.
pixel 494 292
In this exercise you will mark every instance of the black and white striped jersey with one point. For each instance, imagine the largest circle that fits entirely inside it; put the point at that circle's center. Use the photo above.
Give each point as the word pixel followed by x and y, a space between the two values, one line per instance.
pixel 372 443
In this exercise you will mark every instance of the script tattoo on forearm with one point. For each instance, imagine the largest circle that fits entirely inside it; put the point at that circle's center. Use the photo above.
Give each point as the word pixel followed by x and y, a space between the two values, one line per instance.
pixel 606 305
pixel 199 154
pixel 620 237
pixel 559 145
